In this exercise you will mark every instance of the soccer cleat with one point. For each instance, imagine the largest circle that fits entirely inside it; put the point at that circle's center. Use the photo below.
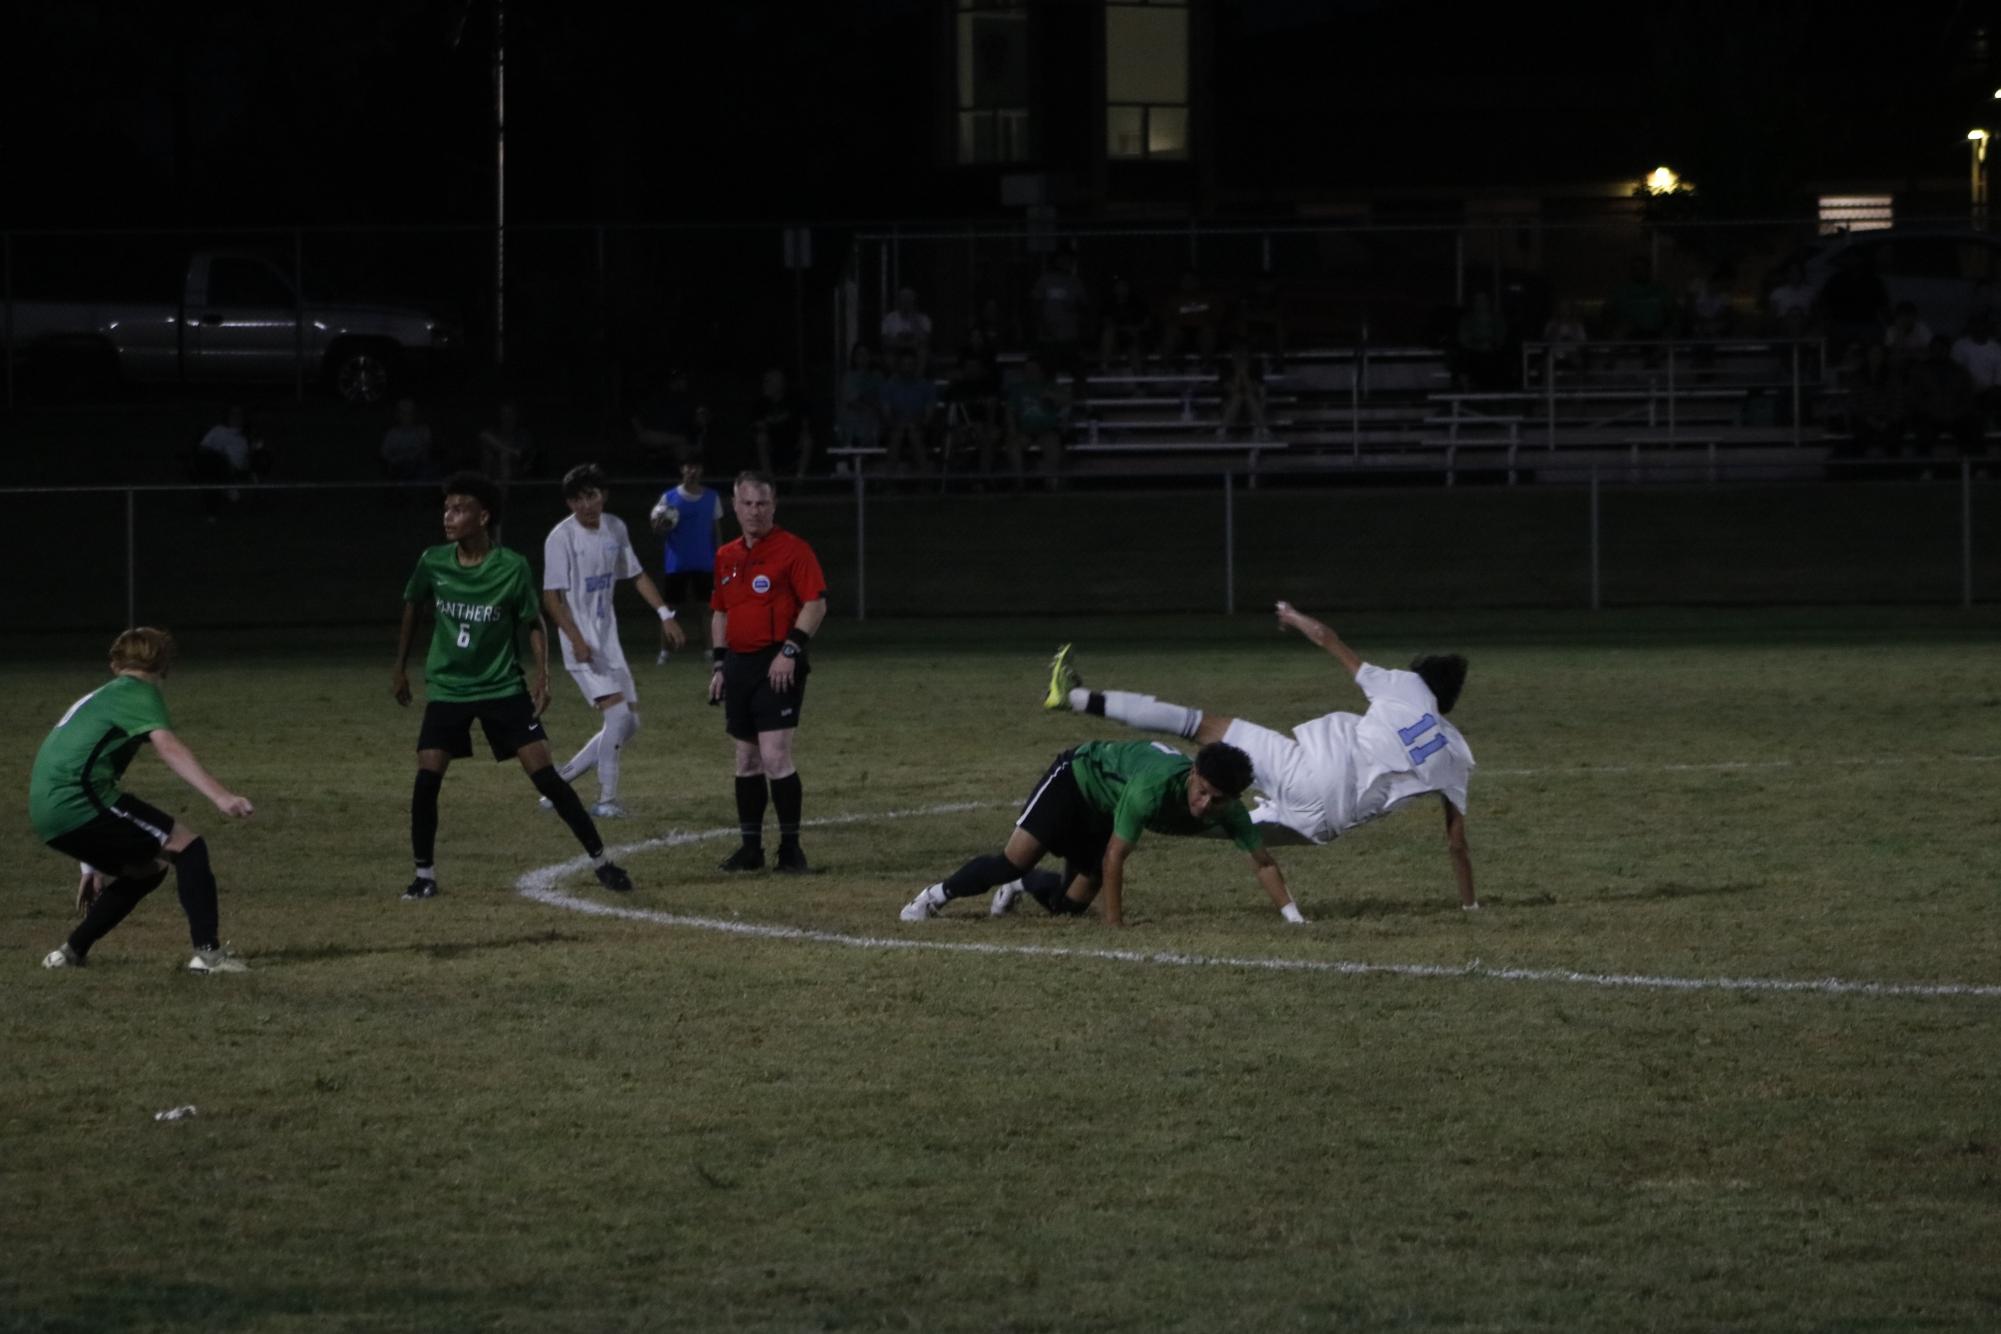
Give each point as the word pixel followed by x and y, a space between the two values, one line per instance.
pixel 1063 679
pixel 607 810
pixel 423 887
pixel 1004 899
pixel 544 804
pixel 63 957
pixel 791 860
pixel 217 959
pixel 926 905
pixel 613 877
pixel 745 858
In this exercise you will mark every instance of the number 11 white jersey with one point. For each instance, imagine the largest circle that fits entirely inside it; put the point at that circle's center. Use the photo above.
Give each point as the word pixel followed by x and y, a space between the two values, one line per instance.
pixel 1370 763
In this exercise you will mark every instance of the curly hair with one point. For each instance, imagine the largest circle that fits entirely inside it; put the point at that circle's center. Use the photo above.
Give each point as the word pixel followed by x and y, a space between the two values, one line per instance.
pixel 1226 768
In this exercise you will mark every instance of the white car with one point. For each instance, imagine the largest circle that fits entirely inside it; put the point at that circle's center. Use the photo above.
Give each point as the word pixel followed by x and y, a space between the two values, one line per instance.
pixel 1939 272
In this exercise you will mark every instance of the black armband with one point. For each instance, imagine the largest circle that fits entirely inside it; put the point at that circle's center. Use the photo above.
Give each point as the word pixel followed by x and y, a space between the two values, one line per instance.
pixel 716 656
pixel 795 643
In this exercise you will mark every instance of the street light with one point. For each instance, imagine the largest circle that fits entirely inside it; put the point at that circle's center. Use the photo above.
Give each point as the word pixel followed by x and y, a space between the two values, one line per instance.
pixel 1662 181
pixel 1976 141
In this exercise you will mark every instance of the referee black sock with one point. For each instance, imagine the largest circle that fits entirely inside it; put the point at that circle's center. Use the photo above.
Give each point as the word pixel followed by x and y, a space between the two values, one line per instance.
pixel 788 795
pixel 564 798
pixel 113 903
pixel 424 817
pixel 751 798
pixel 196 883
pixel 980 875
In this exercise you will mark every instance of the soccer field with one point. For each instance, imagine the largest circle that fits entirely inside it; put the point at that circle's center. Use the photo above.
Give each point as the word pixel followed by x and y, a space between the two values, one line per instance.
pixel 1598 1103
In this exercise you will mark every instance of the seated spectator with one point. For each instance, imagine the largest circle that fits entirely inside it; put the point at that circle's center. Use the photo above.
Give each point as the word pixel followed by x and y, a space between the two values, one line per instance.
pixel 780 430
pixel 1980 355
pixel 858 424
pixel 1480 346
pixel 672 422
pixel 1189 315
pixel 1707 312
pixel 1037 411
pixel 1640 310
pixel 1060 304
pixel 1908 338
pixel 972 402
pixel 1242 383
pixel 906 329
pixel 406 445
pixel 909 403
pixel 1261 321
pixel 1565 335
pixel 1939 399
pixel 1790 304
pixel 229 453
pixel 1126 326
pixel 506 449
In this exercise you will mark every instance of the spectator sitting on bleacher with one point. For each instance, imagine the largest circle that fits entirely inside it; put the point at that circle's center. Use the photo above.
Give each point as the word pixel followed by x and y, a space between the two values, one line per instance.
pixel 1978 352
pixel 780 430
pixel 1480 346
pixel 1640 309
pixel 907 329
pixel 229 453
pixel 1261 321
pixel 1037 410
pixel 1707 313
pixel 972 402
pixel 1242 385
pixel 1124 330
pixel 1908 338
pixel 1939 399
pixel 1060 303
pixel 406 445
pixel 909 402
pixel 858 425
pixel 1790 304
pixel 1189 315
pixel 1565 334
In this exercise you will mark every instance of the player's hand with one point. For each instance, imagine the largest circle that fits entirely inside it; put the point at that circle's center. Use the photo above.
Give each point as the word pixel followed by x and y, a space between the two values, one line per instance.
pixel 716 686
pixel 231 804
pixel 539 696
pixel 399 686
pixel 580 651
pixel 1291 618
pixel 672 635
pixel 781 673
pixel 89 885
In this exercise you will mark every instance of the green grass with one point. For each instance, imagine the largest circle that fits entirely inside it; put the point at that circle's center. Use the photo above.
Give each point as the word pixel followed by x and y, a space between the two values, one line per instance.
pixel 485 1112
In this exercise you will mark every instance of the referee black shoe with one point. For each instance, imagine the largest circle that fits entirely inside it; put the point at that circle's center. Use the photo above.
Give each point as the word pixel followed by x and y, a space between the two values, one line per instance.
pixel 792 860
pixel 745 858
pixel 423 887
pixel 613 877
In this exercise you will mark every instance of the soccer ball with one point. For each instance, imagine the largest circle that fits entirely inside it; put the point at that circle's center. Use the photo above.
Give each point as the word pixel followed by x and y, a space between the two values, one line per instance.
pixel 664 517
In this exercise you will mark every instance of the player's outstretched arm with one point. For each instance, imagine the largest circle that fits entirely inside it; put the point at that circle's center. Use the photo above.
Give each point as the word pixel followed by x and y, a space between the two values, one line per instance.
pixel 1462 857
pixel 538 648
pixel 173 753
pixel 1273 880
pixel 1291 618
pixel 399 675
pixel 1112 888
pixel 557 607
pixel 671 634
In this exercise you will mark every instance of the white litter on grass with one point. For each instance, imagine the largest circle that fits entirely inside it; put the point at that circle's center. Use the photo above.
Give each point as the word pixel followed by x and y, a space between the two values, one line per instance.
pixel 175 1113
pixel 543 886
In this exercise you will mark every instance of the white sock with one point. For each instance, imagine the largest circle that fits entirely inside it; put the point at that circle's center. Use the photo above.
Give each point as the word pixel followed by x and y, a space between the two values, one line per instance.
pixel 620 722
pixel 1150 714
pixel 583 761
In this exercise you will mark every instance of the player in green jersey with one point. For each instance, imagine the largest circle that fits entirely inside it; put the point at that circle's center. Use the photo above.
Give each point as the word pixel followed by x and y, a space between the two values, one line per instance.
pixel 482 596
pixel 1091 808
pixel 125 845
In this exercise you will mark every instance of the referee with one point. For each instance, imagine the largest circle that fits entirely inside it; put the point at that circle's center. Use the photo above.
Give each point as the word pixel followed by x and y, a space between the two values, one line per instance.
pixel 769 600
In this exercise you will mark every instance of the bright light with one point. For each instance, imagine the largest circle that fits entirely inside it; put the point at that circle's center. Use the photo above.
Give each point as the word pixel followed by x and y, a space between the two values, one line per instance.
pixel 1662 182
pixel 1976 136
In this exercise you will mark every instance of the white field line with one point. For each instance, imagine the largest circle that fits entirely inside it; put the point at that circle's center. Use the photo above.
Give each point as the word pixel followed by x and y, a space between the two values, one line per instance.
pixel 1726 766
pixel 542 885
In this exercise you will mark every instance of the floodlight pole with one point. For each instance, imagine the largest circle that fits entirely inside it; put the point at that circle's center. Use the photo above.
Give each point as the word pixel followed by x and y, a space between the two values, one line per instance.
pixel 499 183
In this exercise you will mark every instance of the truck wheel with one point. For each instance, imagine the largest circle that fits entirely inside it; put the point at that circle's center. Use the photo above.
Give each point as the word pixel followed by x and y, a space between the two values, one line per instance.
pixel 360 373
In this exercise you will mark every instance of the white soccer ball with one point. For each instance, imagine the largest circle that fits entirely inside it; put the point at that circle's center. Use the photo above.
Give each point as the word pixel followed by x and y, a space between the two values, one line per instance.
pixel 664 517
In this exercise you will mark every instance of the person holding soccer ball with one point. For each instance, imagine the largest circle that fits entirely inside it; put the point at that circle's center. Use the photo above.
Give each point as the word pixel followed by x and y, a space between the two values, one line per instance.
pixel 126 845
pixel 686 518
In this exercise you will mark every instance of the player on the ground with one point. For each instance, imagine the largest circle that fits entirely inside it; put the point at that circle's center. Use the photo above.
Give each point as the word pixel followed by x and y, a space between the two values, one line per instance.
pixel 688 517
pixel 583 559
pixel 1337 771
pixel 483 596
pixel 125 845
pixel 770 599
pixel 1090 809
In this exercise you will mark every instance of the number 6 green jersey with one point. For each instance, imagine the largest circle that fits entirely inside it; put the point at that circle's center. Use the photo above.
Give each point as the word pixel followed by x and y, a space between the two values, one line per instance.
pixel 480 612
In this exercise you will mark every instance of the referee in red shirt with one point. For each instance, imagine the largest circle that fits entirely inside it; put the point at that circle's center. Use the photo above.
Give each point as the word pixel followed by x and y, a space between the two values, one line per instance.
pixel 769 599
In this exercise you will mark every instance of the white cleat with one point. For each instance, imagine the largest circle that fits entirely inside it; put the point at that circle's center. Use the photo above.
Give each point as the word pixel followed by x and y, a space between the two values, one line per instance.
pixel 926 905
pixel 544 804
pixel 63 957
pixel 220 959
pixel 608 810
pixel 1004 899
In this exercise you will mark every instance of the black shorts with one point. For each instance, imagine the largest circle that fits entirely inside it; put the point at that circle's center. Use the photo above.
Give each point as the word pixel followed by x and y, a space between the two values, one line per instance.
pixel 129 832
pixel 1064 823
pixel 687 586
pixel 750 705
pixel 509 723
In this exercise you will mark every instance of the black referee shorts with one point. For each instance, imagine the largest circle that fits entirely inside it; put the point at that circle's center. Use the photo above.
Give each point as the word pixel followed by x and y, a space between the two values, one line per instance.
pixel 129 832
pixel 750 705
pixel 509 723
pixel 1064 823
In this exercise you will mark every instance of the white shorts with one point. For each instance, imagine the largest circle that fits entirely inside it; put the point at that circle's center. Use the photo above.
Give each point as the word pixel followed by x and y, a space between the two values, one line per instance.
pixel 605 674
pixel 1291 783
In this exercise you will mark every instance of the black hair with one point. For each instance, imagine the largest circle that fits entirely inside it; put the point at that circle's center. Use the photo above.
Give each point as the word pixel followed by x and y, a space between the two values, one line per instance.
pixel 481 488
pixel 584 477
pixel 1445 674
pixel 1226 768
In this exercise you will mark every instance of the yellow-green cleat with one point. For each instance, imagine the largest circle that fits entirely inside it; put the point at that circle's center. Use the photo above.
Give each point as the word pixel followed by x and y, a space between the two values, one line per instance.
pixel 1063 679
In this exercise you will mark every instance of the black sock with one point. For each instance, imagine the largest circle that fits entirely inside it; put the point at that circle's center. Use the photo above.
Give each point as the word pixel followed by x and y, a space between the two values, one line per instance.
pixel 980 875
pixel 424 817
pixel 116 899
pixel 751 796
pixel 196 883
pixel 564 798
pixel 1040 884
pixel 1096 704
pixel 787 794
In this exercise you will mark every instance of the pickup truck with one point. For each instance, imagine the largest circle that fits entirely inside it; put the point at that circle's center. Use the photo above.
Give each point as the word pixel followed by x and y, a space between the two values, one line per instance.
pixel 238 320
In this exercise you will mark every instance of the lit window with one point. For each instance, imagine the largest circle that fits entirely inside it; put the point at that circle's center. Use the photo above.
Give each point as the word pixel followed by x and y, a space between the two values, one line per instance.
pixel 993 81
pixel 1856 213
pixel 1146 79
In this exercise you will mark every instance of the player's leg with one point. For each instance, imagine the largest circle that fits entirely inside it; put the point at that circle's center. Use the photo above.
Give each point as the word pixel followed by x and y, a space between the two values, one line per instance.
pixel 621 723
pixel 1005 869
pixel 124 844
pixel 753 794
pixel 540 767
pixel 788 795
pixel 1068 691
pixel 431 765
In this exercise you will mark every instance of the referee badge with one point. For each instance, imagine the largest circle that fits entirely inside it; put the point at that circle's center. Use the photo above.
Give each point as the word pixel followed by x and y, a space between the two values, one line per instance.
pixel 761 584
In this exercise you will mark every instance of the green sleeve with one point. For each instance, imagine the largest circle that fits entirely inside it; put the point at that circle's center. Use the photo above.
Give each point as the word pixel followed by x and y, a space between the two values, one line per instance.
pixel 1136 804
pixel 418 588
pixel 143 712
pixel 1242 832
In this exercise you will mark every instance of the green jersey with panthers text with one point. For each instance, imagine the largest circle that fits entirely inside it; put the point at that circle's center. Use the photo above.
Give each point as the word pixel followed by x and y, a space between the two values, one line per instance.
pixel 1144 785
pixel 77 769
pixel 480 611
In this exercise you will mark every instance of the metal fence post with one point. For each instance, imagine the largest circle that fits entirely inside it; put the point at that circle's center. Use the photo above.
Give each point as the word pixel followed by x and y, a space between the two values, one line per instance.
pixel 1595 602
pixel 131 558
pixel 1796 393
pixel 7 263
pixel 299 315
pixel 861 544
pixel 1966 532
pixel 1229 544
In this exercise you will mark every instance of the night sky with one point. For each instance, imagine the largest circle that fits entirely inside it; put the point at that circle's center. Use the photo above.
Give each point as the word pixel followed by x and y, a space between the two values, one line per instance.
pixel 379 111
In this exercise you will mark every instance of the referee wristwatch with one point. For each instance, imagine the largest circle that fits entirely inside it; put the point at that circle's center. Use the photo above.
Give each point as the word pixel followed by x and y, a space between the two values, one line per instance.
pixel 795 643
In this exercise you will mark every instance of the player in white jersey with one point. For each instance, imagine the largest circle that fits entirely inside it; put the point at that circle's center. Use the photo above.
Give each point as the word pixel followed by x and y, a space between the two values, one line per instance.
pixel 1336 771
pixel 583 559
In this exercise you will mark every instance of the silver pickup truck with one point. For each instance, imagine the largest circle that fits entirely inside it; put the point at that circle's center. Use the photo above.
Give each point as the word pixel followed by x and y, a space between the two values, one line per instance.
pixel 239 320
